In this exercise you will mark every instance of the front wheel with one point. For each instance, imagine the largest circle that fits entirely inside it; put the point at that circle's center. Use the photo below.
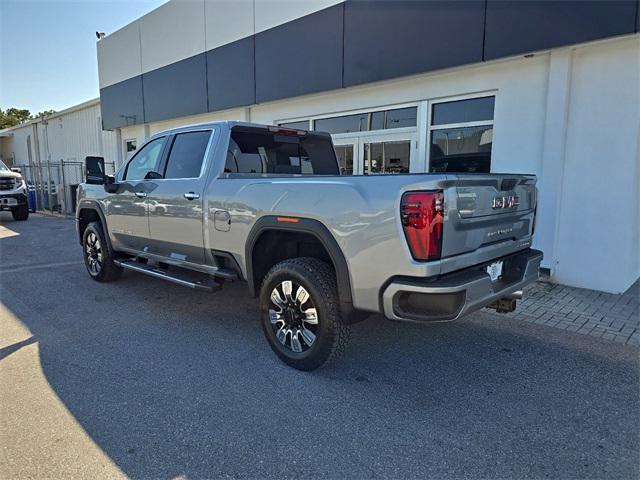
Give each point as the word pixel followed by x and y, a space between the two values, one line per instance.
pixel 98 258
pixel 300 313
pixel 20 213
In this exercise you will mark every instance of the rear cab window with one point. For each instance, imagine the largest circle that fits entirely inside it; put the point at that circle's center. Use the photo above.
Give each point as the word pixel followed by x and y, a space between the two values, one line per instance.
pixel 280 151
pixel 187 154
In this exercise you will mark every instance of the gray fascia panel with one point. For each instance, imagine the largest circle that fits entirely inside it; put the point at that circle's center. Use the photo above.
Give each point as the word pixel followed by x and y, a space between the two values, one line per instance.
pixel 300 57
pixel 387 39
pixel 121 104
pixel 231 75
pixel 176 90
pixel 527 26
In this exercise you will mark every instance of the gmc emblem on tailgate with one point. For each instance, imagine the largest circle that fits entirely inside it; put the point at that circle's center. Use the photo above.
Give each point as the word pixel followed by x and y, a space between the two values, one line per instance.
pixel 509 201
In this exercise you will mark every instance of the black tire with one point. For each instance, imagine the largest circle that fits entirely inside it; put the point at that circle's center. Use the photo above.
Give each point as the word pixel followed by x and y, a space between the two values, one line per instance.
pixel 98 256
pixel 330 334
pixel 20 213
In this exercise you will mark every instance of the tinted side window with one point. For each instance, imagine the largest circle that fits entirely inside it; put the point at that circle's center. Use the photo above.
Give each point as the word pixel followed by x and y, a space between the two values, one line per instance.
pixel 187 154
pixel 145 161
pixel 462 111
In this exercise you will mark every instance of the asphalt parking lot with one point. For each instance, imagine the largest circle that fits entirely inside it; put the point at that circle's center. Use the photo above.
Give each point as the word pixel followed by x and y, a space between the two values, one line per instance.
pixel 147 379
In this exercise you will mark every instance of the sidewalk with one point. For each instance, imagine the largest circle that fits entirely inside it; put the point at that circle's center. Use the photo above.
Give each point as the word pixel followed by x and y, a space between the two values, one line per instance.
pixel 590 312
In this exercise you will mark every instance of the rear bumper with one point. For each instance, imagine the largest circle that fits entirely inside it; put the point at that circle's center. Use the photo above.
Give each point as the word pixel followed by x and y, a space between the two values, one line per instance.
pixel 456 294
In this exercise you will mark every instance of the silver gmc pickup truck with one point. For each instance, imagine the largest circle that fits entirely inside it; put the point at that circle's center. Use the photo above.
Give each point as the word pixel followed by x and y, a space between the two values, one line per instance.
pixel 227 201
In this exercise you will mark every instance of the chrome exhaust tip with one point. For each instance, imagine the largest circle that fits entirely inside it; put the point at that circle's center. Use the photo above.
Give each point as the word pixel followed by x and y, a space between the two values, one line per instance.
pixel 517 295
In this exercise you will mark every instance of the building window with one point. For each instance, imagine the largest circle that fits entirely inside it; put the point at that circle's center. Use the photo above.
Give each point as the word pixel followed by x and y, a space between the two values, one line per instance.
pixel 377 142
pixel 362 122
pixel 344 154
pixel 461 135
pixel 387 157
pixel 300 125
pixel 345 124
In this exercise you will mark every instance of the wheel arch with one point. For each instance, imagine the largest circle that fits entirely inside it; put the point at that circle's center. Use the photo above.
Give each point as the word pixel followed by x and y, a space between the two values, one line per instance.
pixel 298 226
pixel 90 211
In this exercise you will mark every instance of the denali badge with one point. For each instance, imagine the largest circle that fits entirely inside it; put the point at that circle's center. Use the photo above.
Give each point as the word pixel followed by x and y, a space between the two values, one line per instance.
pixel 502 231
pixel 505 202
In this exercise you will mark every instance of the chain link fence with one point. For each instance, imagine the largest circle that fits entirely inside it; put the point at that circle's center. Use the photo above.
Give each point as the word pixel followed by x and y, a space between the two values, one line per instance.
pixel 53 186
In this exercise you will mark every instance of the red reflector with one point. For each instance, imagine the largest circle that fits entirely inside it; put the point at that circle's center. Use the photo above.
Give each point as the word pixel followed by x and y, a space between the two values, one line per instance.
pixel 421 214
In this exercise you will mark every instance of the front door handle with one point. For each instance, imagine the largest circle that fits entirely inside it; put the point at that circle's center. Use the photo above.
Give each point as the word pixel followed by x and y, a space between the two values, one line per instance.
pixel 191 196
pixel 141 194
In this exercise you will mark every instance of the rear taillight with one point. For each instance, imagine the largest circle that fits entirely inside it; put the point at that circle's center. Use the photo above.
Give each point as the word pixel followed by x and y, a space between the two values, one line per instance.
pixel 421 214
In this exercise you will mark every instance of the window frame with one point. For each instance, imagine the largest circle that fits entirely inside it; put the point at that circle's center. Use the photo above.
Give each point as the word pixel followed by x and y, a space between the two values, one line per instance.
pixel 169 147
pixel 344 113
pixel 422 160
pixel 123 176
pixel 355 138
pixel 481 123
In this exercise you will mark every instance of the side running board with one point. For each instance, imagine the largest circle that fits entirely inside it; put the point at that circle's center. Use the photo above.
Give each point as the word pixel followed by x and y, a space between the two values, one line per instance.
pixel 185 279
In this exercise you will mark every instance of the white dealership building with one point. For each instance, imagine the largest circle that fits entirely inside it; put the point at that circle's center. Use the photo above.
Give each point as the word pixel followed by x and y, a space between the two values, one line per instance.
pixel 544 87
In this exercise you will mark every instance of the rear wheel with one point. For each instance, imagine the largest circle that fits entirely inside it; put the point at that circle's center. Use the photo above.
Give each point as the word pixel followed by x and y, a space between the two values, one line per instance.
pixel 98 258
pixel 300 313
pixel 20 213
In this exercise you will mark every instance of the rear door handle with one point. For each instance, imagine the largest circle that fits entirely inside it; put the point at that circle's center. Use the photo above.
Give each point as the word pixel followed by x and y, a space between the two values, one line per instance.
pixel 141 194
pixel 191 196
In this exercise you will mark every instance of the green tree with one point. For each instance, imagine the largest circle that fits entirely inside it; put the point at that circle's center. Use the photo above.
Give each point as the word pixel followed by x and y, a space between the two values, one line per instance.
pixel 13 116
pixel 45 113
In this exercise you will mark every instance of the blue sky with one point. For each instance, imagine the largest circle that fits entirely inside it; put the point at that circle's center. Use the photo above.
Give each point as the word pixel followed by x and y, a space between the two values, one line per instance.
pixel 48 48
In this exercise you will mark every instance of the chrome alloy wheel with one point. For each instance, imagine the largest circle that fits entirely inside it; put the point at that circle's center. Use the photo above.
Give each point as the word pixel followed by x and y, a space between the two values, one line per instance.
pixel 93 251
pixel 293 316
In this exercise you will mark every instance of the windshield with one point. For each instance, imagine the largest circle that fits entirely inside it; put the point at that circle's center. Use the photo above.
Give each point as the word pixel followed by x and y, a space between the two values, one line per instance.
pixel 3 166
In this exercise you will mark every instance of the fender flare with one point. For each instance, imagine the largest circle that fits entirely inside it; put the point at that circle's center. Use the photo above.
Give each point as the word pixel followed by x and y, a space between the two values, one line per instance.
pixel 319 231
pixel 95 206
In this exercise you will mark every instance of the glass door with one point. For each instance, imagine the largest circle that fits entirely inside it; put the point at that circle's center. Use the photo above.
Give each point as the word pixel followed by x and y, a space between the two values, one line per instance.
pixel 347 153
pixel 389 153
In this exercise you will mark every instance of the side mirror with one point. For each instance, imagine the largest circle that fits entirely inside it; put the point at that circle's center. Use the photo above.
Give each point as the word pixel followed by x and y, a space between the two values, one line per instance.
pixel 153 175
pixel 94 168
pixel 110 185
pixel 16 170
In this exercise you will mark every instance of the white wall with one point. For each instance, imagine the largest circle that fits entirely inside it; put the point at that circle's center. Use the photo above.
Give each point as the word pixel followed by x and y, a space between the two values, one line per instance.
pixel 75 135
pixel 597 230
pixel 119 55
pixel 186 36
pixel 15 146
pixel 556 115
pixel 69 136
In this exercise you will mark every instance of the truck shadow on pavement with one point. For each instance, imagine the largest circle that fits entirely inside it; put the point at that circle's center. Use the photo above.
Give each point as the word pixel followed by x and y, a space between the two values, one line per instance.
pixel 169 381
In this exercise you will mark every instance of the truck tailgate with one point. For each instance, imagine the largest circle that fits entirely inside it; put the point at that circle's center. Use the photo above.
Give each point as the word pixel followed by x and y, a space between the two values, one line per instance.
pixel 483 210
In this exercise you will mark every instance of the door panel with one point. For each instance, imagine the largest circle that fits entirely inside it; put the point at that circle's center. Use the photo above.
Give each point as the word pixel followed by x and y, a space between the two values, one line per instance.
pixel 127 213
pixel 345 155
pixel 376 153
pixel 387 157
pixel 348 155
pixel 387 153
pixel 176 204
pixel 175 222
pixel 127 208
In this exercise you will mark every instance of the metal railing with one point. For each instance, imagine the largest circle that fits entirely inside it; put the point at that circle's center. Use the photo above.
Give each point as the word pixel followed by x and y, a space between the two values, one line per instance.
pixel 52 186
